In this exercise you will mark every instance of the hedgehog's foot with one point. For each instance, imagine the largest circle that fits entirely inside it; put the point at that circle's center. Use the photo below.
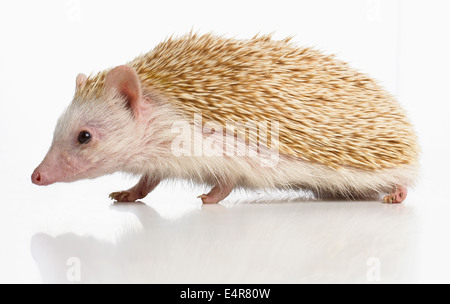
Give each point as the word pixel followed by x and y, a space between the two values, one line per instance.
pixel 397 197
pixel 217 193
pixel 140 190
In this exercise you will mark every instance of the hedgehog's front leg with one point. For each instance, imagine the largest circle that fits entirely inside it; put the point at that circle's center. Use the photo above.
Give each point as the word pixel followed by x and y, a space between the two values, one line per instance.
pixel 217 193
pixel 140 190
pixel 397 197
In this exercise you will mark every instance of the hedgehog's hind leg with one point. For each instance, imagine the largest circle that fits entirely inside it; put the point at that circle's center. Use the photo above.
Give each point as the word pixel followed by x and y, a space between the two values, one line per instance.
pixel 217 193
pixel 397 197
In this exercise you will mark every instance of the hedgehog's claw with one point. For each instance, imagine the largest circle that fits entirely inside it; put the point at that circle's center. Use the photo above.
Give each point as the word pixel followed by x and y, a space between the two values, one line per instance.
pixel 120 196
pixel 388 199
pixel 217 193
pixel 140 190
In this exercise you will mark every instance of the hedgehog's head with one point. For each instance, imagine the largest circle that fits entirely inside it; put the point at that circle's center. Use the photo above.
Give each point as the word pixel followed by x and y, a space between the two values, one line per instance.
pixel 97 133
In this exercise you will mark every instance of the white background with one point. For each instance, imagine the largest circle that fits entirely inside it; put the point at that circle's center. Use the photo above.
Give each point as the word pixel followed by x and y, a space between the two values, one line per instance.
pixel 172 238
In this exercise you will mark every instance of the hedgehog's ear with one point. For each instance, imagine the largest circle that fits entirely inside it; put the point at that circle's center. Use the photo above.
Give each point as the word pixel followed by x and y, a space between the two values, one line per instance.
pixel 125 81
pixel 80 81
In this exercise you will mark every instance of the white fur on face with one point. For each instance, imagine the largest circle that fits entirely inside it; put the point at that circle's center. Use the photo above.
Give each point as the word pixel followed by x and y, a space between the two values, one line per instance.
pixel 110 124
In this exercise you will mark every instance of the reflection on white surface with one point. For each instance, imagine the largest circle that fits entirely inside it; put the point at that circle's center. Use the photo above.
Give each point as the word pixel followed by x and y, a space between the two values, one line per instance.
pixel 253 243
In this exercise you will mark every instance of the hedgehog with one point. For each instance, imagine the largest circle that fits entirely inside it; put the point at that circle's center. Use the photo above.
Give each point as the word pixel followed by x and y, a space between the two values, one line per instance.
pixel 236 113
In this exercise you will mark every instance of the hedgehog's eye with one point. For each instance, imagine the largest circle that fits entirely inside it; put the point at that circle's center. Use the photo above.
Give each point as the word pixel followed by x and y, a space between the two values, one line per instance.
pixel 84 137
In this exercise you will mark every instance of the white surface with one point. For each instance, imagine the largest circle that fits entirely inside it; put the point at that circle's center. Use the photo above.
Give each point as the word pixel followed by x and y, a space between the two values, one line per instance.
pixel 173 238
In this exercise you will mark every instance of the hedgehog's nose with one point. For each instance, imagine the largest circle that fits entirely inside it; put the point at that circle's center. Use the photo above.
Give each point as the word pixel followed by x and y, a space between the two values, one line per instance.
pixel 38 178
